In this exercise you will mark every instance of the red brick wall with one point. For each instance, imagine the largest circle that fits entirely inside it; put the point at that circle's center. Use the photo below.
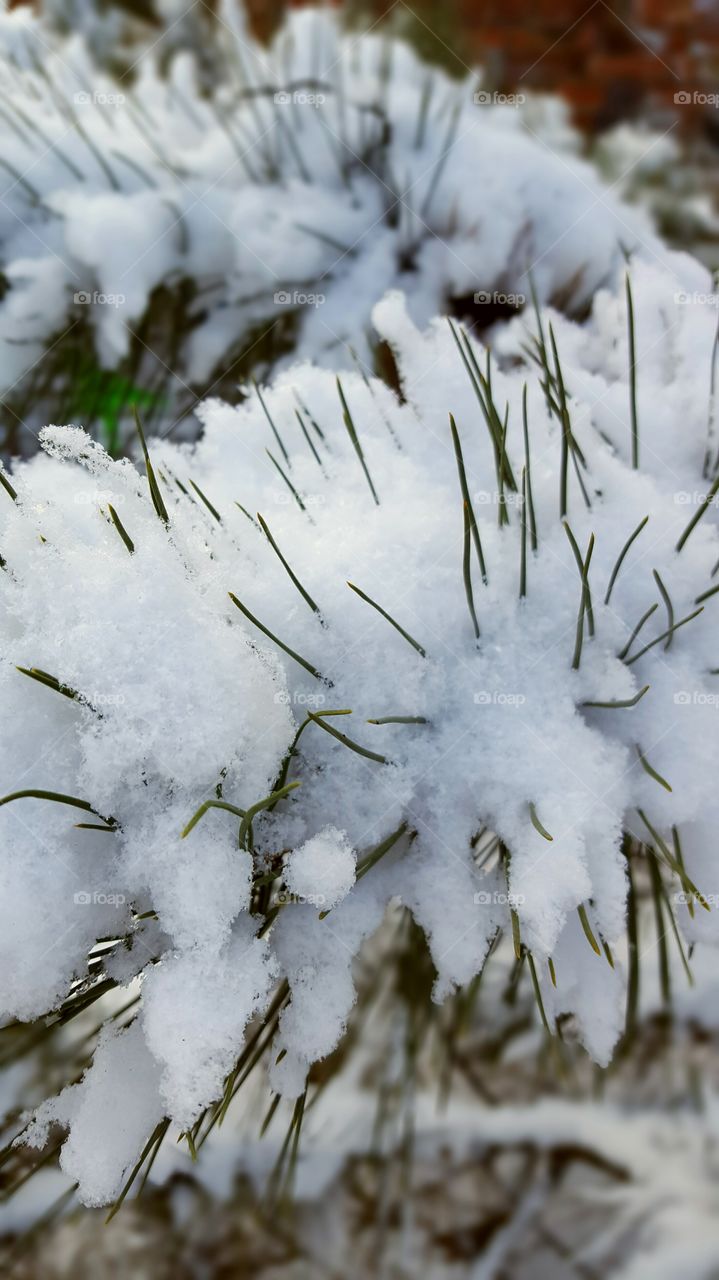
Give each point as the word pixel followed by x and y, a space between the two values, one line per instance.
pixel 609 59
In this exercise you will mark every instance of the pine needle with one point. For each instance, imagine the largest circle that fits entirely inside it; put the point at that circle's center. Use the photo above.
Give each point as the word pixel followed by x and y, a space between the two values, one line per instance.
pixel 466 498
pixel 622 554
pixel 537 993
pixel 269 418
pixel 644 618
pixel 648 769
pixel 632 373
pixel 270 634
pixel 268 802
pixel 677 867
pixel 203 498
pixel 399 720
pixel 537 824
pixel 410 639
pixel 621 702
pixel 10 491
pixel 352 433
pixel 121 529
pixel 664 634
pixel 287 481
pixel 295 580
pixel 467 568
pixel 528 498
pixel 370 859
pixel 580 565
pixel 668 606
pixel 584 920
pixel 157 499
pixel 347 742
pixel 307 437
pixel 210 804
pixel 704 502
pixel 155 1138
pixel 58 798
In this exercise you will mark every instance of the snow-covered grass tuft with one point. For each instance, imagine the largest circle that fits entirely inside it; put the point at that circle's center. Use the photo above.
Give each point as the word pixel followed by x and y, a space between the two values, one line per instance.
pixel 453 651
pixel 161 236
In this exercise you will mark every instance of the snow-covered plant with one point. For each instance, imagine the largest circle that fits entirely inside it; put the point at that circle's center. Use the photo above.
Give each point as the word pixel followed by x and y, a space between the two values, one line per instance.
pixel 160 235
pixel 452 650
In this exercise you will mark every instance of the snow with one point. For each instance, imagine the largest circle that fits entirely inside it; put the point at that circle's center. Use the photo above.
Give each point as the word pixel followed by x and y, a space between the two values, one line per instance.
pixel 322 870
pixel 111 1114
pixel 182 694
pixel 184 713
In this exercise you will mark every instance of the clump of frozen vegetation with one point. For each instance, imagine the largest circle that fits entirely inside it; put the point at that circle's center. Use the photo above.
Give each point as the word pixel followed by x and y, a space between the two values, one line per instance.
pixel 163 228
pixel 453 651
